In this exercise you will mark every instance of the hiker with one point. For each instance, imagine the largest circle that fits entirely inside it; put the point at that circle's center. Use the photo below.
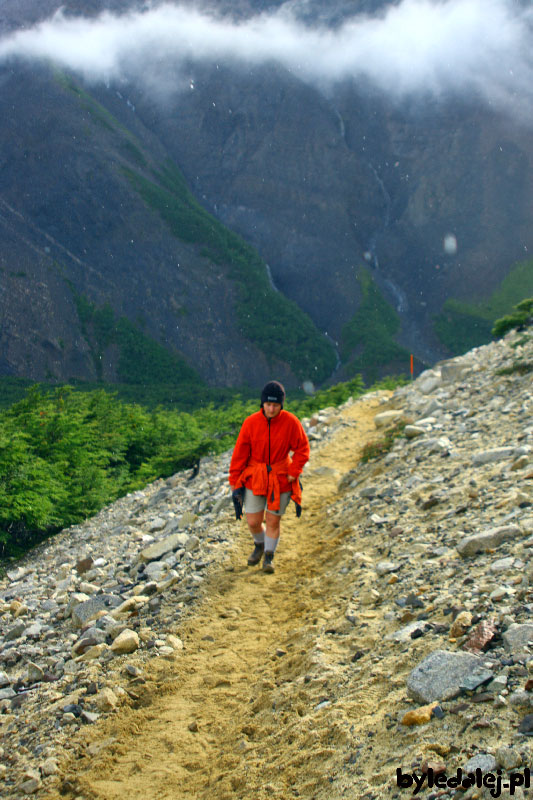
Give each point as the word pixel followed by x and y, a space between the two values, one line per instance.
pixel 264 475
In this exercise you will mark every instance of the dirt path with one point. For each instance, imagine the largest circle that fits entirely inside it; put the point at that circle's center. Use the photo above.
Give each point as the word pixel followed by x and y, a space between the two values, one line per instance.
pixel 232 717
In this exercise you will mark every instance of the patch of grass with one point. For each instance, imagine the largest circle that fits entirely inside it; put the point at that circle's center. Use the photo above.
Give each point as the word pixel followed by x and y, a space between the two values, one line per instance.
pixel 461 326
pixel 380 447
pixel 142 361
pixel 389 383
pixel 518 368
pixel 460 331
pixel 520 342
pixel 129 144
pixel 367 341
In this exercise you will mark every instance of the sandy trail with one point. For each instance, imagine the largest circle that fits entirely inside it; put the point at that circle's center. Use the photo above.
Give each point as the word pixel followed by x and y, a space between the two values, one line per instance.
pixel 235 715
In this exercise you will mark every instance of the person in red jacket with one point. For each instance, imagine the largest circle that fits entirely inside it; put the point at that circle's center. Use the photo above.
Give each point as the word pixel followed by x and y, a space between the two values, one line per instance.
pixel 262 464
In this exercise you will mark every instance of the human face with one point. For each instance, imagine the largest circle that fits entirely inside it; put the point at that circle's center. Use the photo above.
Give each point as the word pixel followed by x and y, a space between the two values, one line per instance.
pixel 271 409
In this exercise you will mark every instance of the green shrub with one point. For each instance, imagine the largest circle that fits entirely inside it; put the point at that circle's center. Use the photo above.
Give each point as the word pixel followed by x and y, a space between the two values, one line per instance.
pixel 520 318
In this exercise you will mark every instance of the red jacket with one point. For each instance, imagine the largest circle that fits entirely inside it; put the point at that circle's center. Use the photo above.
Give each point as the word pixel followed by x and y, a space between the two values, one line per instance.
pixel 262 441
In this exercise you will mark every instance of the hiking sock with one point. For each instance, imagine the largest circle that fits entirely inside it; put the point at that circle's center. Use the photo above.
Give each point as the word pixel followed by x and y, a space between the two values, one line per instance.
pixel 259 538
pixel 270 544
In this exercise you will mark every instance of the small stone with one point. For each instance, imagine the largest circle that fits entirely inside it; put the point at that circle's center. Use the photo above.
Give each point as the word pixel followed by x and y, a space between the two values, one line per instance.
pixel 369 597
pixel 174 642
pixel 34 673
pixel 508 758
pixel 384 567
pixel 520 463
pixel 157 550
pixel 84 565
pixel 419 716
pixel 437 767
pixel 482 761
pixel 385 418
pixel 406 633
pixel 21 611
pixel 126 642
pixel 481 636
pixel 49 767
pixel 15 632
pixel 517 637
pixel 461 624
pixel 106 700
pixel 498 594
pixel 96 651
pixel 87 609
pixel 526 726
pixel 89 717
pixel 30 786
pixel 88 588
pixel 412 431
pixel 486 540
pixel 193 726
pixel 493 455
pixel 132 670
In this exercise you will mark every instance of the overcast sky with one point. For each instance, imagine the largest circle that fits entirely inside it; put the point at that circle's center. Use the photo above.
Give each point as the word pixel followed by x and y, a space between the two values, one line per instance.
pixel 418 46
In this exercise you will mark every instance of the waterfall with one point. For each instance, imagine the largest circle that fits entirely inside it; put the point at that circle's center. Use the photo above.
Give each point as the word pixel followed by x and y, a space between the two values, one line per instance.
pixel 270 278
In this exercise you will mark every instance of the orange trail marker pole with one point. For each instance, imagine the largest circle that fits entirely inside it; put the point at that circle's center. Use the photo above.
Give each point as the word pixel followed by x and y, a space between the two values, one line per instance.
pixel 412 367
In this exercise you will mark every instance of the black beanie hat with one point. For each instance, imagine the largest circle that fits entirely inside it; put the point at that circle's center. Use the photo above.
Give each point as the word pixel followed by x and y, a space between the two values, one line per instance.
pixel 273 392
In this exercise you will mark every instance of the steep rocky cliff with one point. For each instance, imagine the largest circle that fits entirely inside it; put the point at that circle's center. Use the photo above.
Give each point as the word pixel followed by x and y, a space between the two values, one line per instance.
pixel 429 197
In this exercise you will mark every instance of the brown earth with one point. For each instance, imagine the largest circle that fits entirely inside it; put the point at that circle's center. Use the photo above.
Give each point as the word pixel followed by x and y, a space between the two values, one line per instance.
pixel 238 713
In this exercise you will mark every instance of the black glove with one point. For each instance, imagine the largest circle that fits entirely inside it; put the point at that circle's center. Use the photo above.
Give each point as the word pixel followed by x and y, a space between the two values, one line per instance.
pixel 238 501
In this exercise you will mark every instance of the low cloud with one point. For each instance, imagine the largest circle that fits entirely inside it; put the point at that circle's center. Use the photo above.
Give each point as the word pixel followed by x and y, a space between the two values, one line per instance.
pixel 481 47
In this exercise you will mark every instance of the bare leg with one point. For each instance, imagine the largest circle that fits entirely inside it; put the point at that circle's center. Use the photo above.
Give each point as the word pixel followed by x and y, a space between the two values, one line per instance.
pixel 255 522
pixel 273 523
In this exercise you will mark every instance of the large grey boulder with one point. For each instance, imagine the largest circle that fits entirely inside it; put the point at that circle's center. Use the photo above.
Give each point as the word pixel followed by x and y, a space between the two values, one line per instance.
pixel 444 674
pixel 486 540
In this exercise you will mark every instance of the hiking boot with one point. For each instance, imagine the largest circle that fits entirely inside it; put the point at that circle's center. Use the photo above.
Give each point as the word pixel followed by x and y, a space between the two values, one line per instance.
pixel 257 555
pixel 268 566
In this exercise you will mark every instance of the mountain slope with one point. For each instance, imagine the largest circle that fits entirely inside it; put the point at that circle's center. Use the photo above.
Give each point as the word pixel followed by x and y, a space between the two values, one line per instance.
pixel 331 184
pixel 79 221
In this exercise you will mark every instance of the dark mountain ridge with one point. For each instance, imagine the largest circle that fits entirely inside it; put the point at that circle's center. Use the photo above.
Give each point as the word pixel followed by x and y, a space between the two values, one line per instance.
pixel 346 196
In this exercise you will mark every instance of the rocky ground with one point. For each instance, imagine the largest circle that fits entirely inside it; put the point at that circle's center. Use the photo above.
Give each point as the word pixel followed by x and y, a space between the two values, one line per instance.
pixel 140 656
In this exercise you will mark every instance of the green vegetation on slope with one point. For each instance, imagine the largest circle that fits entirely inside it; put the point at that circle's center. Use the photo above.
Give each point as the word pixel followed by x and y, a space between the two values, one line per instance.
pixel 521 317
pixel 461 326
pixel 368 339
pixel 268 318
pixel 142 362
pixel 64 454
